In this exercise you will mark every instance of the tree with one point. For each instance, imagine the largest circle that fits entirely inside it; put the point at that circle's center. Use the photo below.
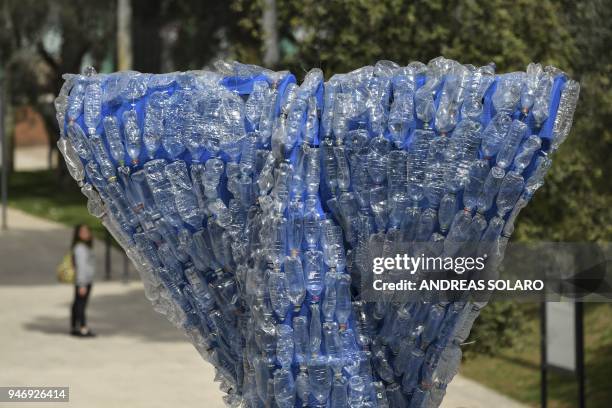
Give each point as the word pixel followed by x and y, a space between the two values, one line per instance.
pixel 41 40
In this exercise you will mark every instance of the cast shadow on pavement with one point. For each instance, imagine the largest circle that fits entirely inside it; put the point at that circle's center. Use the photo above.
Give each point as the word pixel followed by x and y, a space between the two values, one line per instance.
pixel 126 314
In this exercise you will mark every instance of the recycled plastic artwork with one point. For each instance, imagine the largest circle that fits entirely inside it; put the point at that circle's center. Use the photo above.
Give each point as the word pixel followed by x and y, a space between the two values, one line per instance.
pixel 250 204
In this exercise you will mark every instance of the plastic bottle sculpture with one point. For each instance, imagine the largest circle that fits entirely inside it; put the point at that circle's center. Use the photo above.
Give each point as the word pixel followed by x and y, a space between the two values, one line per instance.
pixel 251 207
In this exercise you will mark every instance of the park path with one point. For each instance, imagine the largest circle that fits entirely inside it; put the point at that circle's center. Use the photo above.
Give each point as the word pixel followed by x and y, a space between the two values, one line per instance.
pixel 138 359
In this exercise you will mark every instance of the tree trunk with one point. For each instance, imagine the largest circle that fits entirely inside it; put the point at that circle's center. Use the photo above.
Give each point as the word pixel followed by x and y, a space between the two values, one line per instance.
pixel 124 35
pixel 270 34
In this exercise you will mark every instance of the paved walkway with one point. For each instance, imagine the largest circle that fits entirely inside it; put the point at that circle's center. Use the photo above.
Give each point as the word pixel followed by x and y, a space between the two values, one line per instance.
pixel 138 359
pixel 28 158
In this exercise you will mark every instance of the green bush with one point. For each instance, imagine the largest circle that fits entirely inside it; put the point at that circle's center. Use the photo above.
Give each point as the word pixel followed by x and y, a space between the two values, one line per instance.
pixel 498 326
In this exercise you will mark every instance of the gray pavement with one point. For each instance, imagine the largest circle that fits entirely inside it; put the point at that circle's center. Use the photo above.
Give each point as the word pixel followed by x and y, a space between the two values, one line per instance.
pixel 138 359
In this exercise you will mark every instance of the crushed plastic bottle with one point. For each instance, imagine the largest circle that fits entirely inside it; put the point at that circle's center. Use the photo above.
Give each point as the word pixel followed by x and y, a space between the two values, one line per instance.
pixel 253 206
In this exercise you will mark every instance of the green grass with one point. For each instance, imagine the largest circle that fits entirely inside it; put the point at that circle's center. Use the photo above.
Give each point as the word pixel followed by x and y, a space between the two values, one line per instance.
pixel 515 371
pixel 40 193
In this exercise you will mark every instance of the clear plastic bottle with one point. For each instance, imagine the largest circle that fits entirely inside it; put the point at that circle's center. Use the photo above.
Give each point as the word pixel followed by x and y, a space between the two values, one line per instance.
pixel 320 376
pixel 411 375
pixel 426 226
pixel 437 168
pixel 161 188
pixel 541 103
pixel 382 366
pixel 135 87
pixel 284 388
pixel 295 280
pixel 330 299
pixel 432 324
pixel 448 208
pixel 312 223
pixel 458 233
pixel 514 138
pixel 495 133
pixel 536 180
pixel 478 84
pixel 378 203
pixel 143 197
pixel 249 154
pixel 284 345
pixel 461 152
pixel 302 386
pixel 185 199
pixel 113 138
pixel 508 91
pixel 279 296
pixel 357 391
pixel 154 122
pixel 75 100
pixel 377 159
pixel 314 273
pixel 532 80
pixel 171 140
pixel 99 151
pixel 339 395
pixel 79 141
pixel 450 99
pixel 378 102
pixel 315 329
pixel 311 128
pixel 256 99
pixel 301 339
pixel 212 175
pixel 409 225
pixel 295 225
pixel 132 135
pixel 94 204
pixel 92 106
pixel 343 300
pixel 277 240
pixel 331 340
pixel 313 171
pixel 295 118
pixel 509 227
pixel 401 115
pixel 396 396
pixel 448 365
pixel 329 100
pixel 490 236
pixel 490 188
pixel 419 398
pixel 424 101
pixel 526 151
pixel 397 175
pixel 329 164
pixel 344 175
pixel 473 186
pixel 511 188
pixel 343 111
pixel 262 375
pixel 71 158
pixel 417 162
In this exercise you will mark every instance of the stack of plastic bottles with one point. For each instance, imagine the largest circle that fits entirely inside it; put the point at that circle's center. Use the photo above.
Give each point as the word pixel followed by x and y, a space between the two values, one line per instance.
pixel 251 207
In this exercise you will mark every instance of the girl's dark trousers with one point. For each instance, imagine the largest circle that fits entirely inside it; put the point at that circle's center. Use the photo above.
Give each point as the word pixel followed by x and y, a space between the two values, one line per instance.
pixel 78 308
